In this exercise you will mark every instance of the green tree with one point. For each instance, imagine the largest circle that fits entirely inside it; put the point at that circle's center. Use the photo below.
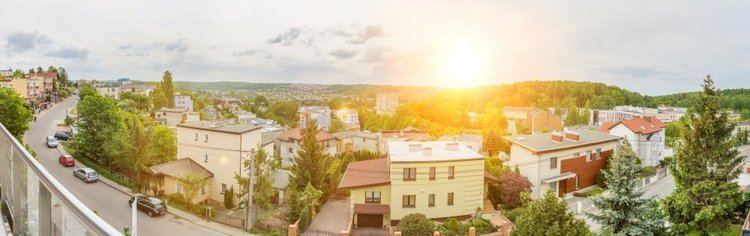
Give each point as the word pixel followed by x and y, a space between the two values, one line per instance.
pixel 14 115
pixel 229 198
pixel 158 98
pixel 706 165
pixel 192 183
pixel 573 117
pixel 310 166
pixel 622 208
pixel 162 146
pixel 129 146
pixel 261 100
pixel 336 125
pixel 62 76
pixel 86 90
pixel 263 189
pixel 51 69
pixel 18 74
pixel 39 69
pixel 549 216
pixel 167 88
pixel 99 121
pixel 415 224
pixel 586 115
pixel 141 101
pixel 312 197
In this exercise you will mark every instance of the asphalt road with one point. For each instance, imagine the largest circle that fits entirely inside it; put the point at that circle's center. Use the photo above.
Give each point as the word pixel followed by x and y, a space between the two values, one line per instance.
pixel 109 203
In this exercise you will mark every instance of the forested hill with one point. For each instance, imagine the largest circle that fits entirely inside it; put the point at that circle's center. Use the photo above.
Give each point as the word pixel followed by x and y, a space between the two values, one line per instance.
pixel 733 99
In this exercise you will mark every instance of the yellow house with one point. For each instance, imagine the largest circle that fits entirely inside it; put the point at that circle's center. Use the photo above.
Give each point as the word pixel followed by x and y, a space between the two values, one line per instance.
pixel 440 179
pixel 167 177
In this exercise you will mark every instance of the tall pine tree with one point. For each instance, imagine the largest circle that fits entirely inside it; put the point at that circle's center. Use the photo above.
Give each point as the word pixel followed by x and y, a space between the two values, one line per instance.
pixel 310 165
pixel 622 208
pixel 549 216
pixel 168 88
pixel 706 164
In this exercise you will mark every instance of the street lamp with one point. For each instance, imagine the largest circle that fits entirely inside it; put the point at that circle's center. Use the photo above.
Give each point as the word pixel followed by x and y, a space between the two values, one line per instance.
pixel 249 206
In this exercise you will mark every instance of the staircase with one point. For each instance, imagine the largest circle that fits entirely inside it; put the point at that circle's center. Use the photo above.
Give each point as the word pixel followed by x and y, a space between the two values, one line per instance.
pixel 488 208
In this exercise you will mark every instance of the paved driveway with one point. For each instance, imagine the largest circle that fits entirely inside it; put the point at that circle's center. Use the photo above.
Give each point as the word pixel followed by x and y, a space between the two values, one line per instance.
pixel 333 217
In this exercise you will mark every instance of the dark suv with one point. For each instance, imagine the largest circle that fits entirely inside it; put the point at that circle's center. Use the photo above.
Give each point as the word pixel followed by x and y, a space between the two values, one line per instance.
pixel 151 205
pixel 62 136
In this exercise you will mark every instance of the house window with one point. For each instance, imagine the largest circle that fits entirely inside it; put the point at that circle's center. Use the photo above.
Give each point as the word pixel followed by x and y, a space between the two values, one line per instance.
pixel 223 188
pixel 598 153
pixel 178 188
pixel 553 163
pixel 431 200
pixel 206 138
pixel 450 199
pixel 205 158
pixel 451 172
pixel 577 154
pixel 577 183
pixel 290 150
pixel 196 136
pixel 588 156
pixel 363 140
pixel 410 174
pixel 203 190
pixel 432 173
pixel 409 201
pixel 372 197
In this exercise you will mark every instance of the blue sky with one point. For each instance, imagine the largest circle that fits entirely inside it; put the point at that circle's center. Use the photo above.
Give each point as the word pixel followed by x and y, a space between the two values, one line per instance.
pixel 652 47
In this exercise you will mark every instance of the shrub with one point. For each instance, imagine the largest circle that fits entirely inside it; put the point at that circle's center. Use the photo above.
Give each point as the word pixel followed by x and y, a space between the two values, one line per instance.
pixel 648 171
pixel 305 218
pixel 229 198
pixel 600 179
pixel 482 226
pixel 511 186
pixel 178 201
pixel 512 215
pixel 415 224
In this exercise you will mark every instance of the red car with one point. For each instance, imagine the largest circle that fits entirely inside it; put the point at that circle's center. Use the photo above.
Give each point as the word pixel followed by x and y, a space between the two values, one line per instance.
pixel 67 160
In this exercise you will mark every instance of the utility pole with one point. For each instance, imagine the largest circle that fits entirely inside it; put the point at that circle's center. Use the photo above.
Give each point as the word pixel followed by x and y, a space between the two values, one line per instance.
pixel 249 207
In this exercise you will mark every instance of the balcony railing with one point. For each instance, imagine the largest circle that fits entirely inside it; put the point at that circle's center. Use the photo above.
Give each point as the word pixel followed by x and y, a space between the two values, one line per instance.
pixel 35 203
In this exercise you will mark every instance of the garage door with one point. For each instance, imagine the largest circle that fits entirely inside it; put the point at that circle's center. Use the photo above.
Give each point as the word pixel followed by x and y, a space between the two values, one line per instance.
pixel 365 220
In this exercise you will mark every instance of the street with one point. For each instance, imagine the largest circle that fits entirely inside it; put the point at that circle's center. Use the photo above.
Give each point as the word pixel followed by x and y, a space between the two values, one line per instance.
pixel 108 202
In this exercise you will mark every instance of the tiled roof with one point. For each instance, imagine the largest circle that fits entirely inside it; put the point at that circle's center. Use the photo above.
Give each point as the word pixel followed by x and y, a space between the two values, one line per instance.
pixel 366 173
pixel 180 167
pixel 296 134
pixel 647 125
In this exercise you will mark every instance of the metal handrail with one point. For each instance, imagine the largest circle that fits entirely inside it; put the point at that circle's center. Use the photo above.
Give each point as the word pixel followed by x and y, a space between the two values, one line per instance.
pixel 76 207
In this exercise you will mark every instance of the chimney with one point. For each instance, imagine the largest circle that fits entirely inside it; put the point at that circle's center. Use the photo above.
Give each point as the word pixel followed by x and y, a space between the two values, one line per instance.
pixel 557 137
pixel 414 147
pixel 451 146
pixel 647 118
pixel 573 136
pixel 427 151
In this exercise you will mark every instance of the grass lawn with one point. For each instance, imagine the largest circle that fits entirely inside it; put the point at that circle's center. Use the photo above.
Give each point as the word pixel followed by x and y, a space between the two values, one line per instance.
pixel 734 230
pixel 590 193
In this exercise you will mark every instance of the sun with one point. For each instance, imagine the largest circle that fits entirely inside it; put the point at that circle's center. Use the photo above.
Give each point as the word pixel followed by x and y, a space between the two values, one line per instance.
pixel 462 66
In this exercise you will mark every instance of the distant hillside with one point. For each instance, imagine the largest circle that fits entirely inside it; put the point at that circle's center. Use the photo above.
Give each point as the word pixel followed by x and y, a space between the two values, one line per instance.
pixel 734 99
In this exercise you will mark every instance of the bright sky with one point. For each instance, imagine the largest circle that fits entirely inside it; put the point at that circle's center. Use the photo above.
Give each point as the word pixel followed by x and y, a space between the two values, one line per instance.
pixel 652 47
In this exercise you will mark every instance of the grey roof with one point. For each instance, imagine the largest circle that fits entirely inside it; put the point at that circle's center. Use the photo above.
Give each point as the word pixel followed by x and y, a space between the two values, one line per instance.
pixel 280 178
pixel 543 142
pixel 462 137
pixel 226 128
pixel 358 134
pixel 269 136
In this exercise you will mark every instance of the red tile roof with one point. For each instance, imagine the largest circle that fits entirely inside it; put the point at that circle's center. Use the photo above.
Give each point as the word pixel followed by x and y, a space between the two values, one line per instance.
pixel 296 134
pixel 366 173
pixel 370 208
pixel 646 125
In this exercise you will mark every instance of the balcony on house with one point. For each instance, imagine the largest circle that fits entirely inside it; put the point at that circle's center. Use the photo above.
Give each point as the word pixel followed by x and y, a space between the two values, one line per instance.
pixel 35 203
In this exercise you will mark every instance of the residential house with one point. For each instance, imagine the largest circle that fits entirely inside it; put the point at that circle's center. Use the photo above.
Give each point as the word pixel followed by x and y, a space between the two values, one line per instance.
pixel 170 117
pixel 406 134
pixel 291 140
pixel 645 135
pixel 19 85
pixel 349 117
pixel 319 114
pixel 561 162
pixel 123 81
pixel 6 73
pixel 221 149
pixel 166 177
pixel 472 141
pixel 111 91
pixel 359 140
pixel 183 102
pixel 386 103
pixel 535 119
pixel 440 179
pixel 281 185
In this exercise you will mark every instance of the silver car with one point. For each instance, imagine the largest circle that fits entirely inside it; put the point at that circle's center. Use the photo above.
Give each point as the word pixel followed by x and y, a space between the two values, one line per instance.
pixel 52 142
pixel 86 174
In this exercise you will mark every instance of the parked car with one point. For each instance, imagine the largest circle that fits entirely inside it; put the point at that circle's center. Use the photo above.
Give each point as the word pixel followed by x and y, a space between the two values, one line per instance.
pixel 150 205
pixel 86 174
pixel 66 160
pixel 52 142
pixel 62 136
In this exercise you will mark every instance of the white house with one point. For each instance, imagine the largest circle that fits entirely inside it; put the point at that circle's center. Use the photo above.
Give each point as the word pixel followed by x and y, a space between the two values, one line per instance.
pixel 645 135
pixel 321 115
pixel 183 101
pixel 291 140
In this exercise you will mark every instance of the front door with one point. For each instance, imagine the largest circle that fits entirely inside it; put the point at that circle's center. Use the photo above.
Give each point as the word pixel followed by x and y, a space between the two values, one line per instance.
pixel 563 184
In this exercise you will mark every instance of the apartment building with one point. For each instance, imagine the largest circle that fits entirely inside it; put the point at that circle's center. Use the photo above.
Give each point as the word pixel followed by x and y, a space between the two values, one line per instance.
pixel 359 140
pixel 439 179
pixel 219 148
pixel 170 117
pixel 561 162
pixel 290 142
pixel 646 136
pixel 386 103
pixel 19 85
pixel 535 119
pixel 319 114
pixel 183 102
pixel 349 117
pixel 110 91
